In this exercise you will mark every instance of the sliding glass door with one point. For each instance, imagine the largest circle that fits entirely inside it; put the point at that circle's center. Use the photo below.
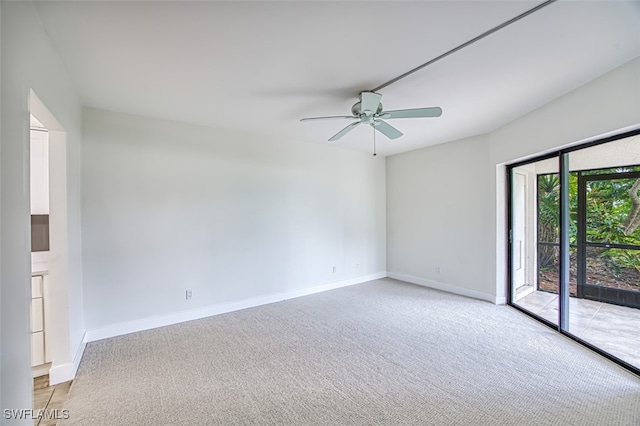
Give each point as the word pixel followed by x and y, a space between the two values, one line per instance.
pixel 574 244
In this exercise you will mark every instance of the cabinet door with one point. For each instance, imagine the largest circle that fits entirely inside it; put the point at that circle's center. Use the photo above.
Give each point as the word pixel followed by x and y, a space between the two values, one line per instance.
pixel 37 321
pixel 36 286
pixel 37 348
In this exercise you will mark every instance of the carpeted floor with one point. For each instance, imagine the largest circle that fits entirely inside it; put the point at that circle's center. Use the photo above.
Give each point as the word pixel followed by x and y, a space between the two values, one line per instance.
pixel 378 353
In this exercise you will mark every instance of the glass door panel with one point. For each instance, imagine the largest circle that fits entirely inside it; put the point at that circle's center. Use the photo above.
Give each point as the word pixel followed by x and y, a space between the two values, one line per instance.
pixel 605 309
pixel 611 236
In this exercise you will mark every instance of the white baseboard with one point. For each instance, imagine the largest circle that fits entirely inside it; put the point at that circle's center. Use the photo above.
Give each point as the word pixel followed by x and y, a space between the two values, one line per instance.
pixel 474 294
pixel 67 371
pixel 194 314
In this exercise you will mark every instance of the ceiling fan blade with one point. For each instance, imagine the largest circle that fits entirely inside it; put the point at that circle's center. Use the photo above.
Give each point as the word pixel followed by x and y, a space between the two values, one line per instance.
pixel 369 101
pixel 330 117
pixel 387 129
pixel 412 113
pixel 344 131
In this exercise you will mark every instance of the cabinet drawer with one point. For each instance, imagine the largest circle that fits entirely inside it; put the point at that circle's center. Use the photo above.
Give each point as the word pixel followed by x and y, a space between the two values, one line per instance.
pixel 36 286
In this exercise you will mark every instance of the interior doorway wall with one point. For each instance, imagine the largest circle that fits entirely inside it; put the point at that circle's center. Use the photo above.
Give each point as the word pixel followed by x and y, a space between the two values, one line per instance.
pixel 55 289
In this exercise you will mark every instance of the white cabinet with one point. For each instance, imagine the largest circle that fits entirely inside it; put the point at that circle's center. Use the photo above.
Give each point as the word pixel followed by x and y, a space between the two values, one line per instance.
pixel 37 321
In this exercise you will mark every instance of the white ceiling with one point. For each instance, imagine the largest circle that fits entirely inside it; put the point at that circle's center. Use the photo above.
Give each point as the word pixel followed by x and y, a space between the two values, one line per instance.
pixel 261 66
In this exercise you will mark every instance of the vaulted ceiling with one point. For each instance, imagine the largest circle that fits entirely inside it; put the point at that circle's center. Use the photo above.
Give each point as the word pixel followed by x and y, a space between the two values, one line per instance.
pixel 259 67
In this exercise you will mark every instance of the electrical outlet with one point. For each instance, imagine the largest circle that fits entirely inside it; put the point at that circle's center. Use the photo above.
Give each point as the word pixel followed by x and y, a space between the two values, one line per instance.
pixel 438 270
pixel 189 294
pixel 334 269
pixel 357 266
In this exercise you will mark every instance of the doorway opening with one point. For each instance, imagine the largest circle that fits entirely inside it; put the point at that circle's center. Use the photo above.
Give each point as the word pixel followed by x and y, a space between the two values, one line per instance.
pixel 40 247
pixel 49 236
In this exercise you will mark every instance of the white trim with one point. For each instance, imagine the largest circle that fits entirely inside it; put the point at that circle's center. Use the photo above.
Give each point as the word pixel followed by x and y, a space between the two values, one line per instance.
pixel 500 301
pixel 194 314
pixel 448 288
pixel 67 371
pixel 40 370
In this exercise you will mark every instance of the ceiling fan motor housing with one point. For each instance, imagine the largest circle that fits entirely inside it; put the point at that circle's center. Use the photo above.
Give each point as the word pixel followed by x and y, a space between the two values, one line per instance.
pixel 356 109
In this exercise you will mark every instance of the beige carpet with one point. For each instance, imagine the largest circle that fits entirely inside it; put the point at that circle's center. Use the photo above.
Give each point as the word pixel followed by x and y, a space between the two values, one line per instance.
pixel 378 353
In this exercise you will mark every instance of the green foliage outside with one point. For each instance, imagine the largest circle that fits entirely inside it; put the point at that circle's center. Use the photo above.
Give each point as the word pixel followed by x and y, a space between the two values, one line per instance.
pixel 608 208
pixel 548 219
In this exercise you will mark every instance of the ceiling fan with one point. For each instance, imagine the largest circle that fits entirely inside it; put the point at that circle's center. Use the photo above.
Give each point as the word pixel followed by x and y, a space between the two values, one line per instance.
pixel 369 111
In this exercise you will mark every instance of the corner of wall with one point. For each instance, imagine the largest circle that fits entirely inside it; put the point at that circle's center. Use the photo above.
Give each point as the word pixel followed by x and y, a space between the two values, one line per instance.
pixel 67 371
pixel 453 289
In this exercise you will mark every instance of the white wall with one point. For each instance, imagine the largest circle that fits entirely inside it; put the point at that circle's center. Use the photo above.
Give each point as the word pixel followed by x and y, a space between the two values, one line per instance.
pixel 169 207
pixel 2 377
pixel 604 105
pixel 431 195
pixel 29 61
